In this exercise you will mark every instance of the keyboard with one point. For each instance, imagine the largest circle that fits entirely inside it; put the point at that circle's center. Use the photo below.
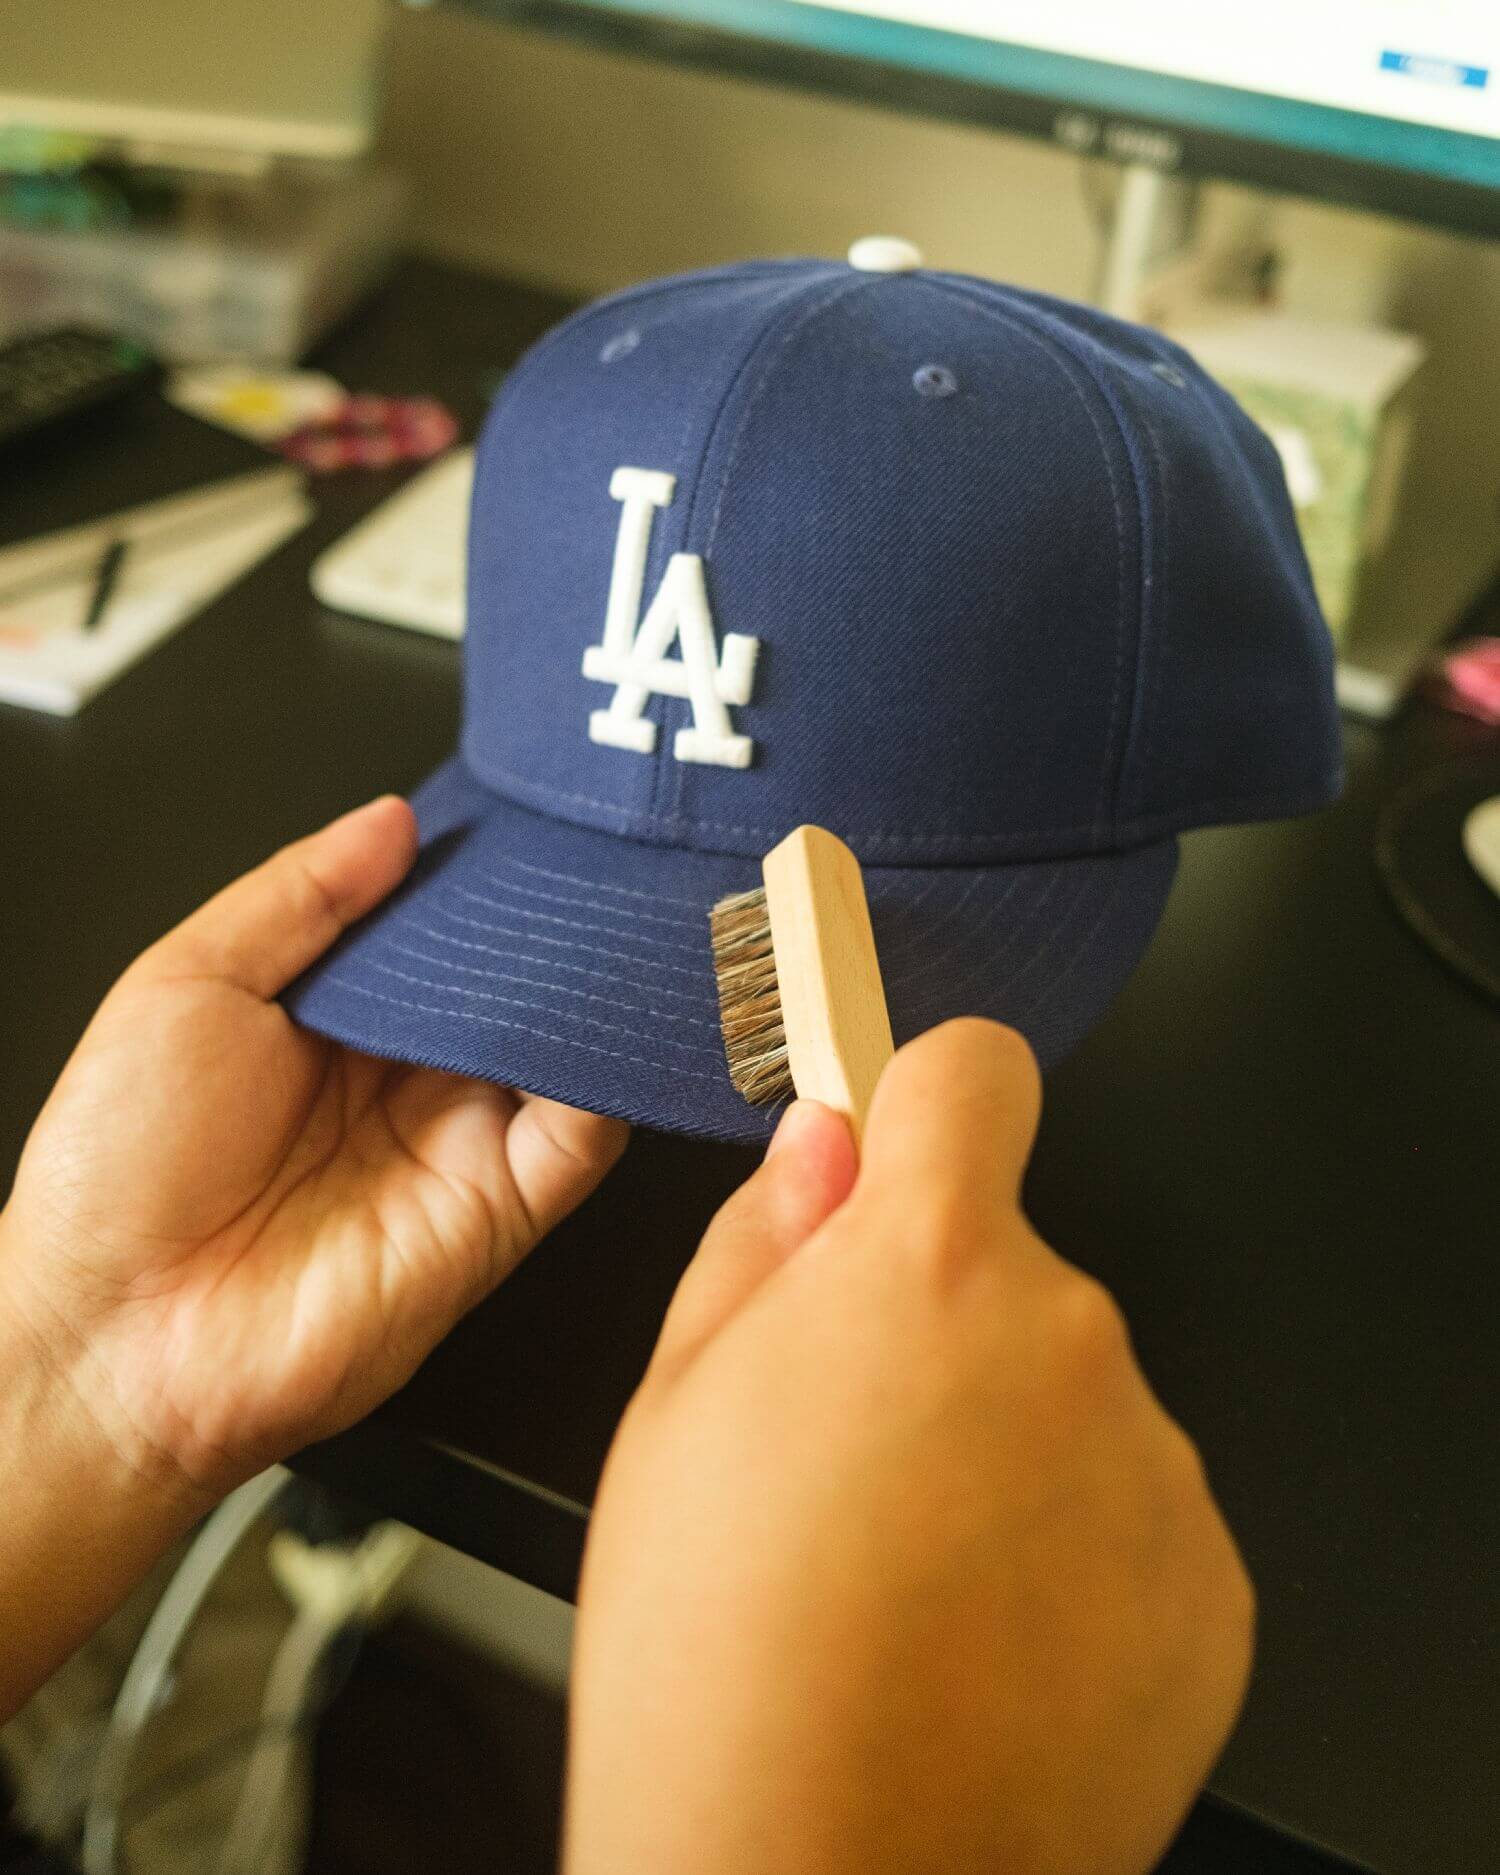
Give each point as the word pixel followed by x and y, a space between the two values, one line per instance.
pixel 46 376
pixel 405 563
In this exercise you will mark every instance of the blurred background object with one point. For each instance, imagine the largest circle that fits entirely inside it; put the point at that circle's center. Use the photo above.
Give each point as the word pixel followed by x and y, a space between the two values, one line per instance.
pixel 191 176
pixel 193 86
pixel 1337 399
pixel 201 268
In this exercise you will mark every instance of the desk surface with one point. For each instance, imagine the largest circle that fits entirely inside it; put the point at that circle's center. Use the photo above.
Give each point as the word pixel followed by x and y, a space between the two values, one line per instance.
pixel 1278 1150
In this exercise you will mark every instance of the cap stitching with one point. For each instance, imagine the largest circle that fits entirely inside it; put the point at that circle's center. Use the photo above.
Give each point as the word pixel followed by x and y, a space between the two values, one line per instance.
pixel 911 941
pixel 562 944
pixel 1155 581
pixel 893 983
pixel 1016 319
pixel 542 963
pixel 947 990
pixel 1046 995
pixel 923 940
pixel 598 885
pixel 1049 929
pixel 517 1002
pixel 841 291
pixel 576 924
pixel 895 980
pixel 917 940
pixel 890 888
pixel 1252 487
pixel 573 323
pixel 534 983
pixel 656 704
pixel 796 288
pixel 732 270
pixel 582 316
pixel 1113 388
pixel 571 924
pixel 1028 917
pixel 1065 359
pixel 586 904
pixel 1149 701
pixel 521 1028
pixel 1144 827
pixel 763 358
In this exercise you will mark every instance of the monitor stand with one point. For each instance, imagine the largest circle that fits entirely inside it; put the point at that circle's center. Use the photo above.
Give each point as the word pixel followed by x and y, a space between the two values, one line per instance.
pixel 1151 233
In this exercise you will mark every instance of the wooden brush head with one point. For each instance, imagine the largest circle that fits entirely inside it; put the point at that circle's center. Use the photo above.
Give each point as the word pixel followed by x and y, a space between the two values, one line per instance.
pixel 800 997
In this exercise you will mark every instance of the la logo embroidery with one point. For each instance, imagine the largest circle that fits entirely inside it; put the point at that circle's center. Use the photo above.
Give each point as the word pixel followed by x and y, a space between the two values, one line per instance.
pixel 634 657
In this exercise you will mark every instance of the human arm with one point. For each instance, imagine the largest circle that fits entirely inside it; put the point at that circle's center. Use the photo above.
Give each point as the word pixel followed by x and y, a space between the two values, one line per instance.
pixel 228 1237
pixel 897 1564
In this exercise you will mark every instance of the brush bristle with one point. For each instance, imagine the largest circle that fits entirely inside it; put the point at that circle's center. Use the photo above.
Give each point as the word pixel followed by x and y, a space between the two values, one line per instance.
pixel 750 998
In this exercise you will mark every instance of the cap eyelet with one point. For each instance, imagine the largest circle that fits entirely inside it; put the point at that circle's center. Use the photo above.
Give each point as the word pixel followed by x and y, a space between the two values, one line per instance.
pixel 620 346
pixel 933 381
pixel 1169 374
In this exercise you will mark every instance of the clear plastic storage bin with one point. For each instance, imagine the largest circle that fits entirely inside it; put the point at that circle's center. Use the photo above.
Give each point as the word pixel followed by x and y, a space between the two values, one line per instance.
pixel 219 270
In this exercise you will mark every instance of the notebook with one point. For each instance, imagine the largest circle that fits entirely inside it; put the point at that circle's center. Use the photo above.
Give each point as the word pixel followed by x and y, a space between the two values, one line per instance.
pixel 195 507
pixel 48 663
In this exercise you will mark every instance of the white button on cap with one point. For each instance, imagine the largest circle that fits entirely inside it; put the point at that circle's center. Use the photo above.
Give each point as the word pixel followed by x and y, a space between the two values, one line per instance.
pixel 884 253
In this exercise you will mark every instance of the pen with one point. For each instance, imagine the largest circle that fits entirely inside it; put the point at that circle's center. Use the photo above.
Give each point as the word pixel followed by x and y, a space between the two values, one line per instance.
pixel 105 581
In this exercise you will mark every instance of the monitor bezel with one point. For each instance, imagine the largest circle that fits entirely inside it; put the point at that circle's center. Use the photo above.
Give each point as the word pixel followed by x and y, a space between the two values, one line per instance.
pixel 1173 145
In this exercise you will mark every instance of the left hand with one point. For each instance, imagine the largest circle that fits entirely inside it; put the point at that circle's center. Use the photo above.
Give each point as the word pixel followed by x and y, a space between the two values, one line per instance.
pixel 229 1237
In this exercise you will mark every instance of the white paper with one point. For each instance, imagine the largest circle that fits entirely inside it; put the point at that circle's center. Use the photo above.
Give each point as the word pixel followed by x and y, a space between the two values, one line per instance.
pixel 47 662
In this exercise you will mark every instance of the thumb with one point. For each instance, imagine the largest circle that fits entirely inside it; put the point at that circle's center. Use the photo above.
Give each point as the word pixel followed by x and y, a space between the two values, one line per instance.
pixel 268 926
pixel 807 1173
pixel 956 1111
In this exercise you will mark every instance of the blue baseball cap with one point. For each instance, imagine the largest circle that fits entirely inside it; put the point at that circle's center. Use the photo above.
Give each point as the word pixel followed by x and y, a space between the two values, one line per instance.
pixel 1005 592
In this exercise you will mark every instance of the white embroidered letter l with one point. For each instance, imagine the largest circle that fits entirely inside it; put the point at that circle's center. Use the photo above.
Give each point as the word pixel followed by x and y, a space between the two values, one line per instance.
pixel 634 657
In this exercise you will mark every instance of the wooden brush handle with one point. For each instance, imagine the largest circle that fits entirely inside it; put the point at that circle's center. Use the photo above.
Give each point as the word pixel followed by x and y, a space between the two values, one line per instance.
pixel 827 974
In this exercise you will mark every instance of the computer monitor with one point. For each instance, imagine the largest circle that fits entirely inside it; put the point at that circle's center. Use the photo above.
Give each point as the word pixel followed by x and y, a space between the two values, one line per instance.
pixel 1391 105
pixel 193 84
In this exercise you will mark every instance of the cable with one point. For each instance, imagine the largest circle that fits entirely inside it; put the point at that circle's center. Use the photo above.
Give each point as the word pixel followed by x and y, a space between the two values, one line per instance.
pixel 264 1835
pixel 141 1690
pixel 463 1729
pixel 196 1767
pixel 334 1587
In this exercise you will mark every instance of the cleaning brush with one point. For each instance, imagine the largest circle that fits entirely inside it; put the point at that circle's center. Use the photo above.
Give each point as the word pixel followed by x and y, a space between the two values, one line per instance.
pixel 800 999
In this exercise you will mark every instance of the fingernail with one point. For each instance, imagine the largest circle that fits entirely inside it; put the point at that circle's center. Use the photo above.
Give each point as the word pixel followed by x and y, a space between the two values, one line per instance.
pixel 353 813
pixel 381 800
pixel 789 1126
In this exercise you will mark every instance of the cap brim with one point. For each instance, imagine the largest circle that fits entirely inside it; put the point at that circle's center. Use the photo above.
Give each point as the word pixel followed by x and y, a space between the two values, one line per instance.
pixel 575 964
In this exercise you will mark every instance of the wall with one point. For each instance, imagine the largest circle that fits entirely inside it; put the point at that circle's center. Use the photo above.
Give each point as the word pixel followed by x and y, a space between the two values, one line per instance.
pixel 567 165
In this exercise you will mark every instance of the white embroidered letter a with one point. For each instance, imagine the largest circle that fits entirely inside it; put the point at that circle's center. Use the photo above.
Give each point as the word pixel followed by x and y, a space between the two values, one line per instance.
pixel 634 657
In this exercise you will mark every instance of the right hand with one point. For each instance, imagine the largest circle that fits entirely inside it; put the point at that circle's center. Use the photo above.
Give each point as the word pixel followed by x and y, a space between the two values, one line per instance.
pixel 897 1564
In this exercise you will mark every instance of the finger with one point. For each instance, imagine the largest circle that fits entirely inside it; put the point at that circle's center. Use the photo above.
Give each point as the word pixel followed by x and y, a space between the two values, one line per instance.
pixel 263 930
pixel 955 1112
pixel 807 1174
pixel 557 1155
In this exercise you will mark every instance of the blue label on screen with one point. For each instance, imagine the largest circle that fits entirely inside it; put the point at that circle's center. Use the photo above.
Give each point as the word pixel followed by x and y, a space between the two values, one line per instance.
pixel 1433 71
